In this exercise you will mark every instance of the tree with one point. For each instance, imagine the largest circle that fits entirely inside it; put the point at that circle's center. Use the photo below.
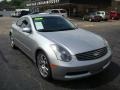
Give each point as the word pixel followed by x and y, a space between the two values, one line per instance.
pixel 14 3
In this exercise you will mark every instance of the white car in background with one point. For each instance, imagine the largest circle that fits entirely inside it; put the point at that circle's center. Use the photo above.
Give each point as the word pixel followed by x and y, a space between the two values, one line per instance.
pixel 61 12
pixel 15 14
pixel 103 15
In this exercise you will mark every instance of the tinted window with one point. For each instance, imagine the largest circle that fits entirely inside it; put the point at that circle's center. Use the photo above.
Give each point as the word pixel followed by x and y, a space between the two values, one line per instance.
pixel 55 11
pixel 62 11
pixel 25 23
pixel 48 24
pixel 98 13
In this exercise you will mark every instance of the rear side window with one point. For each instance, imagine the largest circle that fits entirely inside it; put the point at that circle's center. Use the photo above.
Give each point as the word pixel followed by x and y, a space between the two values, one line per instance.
pixel 62 11
pixel 23 22
pixel 98 13
pixel 26 23
pixel 19 22
pixel 55 11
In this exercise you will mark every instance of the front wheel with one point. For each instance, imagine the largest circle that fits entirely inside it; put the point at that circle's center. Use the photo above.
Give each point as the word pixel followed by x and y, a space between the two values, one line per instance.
pixel 43 65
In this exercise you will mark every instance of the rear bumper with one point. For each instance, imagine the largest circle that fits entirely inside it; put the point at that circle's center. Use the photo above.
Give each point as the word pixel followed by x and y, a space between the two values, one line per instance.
pixel 69 73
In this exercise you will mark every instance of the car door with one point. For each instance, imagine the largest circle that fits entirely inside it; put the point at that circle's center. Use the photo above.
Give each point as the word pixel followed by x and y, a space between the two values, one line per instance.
pixel 16 28
pixel 24 38
pixel 27 40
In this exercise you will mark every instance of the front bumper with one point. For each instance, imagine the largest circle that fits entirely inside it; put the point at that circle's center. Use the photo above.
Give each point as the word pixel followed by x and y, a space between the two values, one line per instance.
pixel 69 73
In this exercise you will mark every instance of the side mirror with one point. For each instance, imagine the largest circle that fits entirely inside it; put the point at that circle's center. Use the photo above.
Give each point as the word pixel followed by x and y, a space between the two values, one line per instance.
pixel 27 30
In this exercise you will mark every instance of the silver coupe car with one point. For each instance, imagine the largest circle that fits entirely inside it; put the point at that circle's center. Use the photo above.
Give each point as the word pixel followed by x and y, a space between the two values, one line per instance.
pixel 60 49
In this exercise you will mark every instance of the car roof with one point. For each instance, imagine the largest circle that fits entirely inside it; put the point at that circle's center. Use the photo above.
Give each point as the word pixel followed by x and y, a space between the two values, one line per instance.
pixel 100 11
pixel 56 9
pixel 42 15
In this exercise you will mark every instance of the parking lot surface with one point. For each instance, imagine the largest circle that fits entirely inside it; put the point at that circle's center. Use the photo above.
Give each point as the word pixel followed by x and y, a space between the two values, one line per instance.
pixel 18 72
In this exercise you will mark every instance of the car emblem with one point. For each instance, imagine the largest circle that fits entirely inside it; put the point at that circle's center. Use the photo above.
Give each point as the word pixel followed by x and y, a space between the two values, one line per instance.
pixel 96 53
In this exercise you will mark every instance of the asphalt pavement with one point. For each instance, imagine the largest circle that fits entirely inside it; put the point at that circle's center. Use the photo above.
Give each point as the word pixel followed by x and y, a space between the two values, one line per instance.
pixel 18 72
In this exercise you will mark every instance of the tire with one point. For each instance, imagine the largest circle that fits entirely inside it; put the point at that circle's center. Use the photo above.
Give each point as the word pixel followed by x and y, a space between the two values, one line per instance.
pixel 90 20
pixel 83 19
pixel 43 65
pixel 12 44
pixel 99 20
pixel 113 18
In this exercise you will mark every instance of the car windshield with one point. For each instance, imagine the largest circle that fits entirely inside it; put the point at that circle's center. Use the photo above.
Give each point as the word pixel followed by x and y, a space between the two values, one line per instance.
pixel 52 24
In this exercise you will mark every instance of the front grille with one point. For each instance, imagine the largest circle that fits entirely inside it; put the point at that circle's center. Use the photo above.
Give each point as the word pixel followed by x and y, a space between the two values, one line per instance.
pixel 91 55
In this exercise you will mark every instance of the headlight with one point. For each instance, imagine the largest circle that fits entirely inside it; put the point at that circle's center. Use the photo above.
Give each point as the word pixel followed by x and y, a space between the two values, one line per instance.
pixel 61 53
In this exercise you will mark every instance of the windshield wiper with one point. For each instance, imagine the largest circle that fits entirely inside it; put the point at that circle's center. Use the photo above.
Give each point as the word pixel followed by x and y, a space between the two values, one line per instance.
pixel 66 29
pixel 47 30
pixel 44 30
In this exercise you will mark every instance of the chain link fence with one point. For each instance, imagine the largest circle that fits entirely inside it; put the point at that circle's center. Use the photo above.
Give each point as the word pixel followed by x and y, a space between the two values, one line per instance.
pixel 6 13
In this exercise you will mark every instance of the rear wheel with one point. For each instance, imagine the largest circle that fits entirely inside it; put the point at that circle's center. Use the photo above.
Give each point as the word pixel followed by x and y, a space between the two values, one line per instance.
pixel 112 18
pixel 43 65
pixel 83 19
pixel 90 19
pixel 12 44
pixel 99 20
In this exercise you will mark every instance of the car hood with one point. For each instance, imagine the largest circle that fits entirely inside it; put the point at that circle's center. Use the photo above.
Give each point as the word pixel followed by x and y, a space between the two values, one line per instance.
pixel 77 41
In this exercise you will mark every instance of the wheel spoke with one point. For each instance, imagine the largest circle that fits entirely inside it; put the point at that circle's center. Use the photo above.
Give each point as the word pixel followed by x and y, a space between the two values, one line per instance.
pixel 43 65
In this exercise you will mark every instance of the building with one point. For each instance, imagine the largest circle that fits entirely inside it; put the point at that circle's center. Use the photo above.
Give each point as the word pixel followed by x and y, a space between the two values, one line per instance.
pixel 73 7
pixel 6 6
pixel 116 5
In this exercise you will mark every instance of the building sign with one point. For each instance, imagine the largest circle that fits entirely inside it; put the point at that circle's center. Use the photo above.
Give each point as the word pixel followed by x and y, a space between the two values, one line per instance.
pixel 42 2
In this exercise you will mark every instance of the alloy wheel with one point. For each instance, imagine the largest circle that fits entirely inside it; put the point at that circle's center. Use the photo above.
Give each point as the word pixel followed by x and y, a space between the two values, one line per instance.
pixel 43 65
